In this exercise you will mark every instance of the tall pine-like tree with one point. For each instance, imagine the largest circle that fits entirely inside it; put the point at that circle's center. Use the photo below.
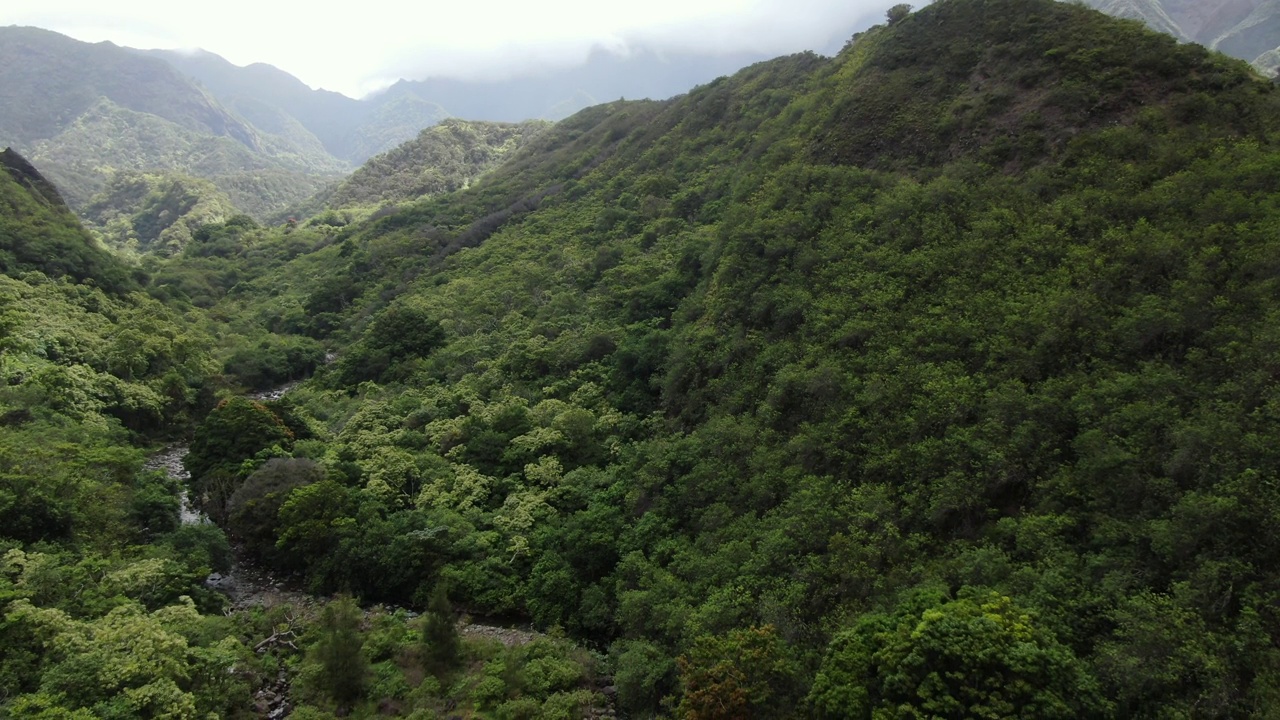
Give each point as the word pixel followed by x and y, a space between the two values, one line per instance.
pixel 441 646
pixel 343 666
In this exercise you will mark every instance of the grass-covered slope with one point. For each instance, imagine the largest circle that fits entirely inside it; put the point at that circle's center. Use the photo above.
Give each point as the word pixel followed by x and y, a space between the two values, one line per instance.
pixel 933 379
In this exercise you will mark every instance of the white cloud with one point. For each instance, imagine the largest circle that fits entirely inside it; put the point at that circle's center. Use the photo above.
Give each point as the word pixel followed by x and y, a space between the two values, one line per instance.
pixel 373 42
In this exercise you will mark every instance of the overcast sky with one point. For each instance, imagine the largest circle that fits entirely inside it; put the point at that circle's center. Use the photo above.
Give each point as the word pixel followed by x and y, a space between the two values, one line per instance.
pixel 371 43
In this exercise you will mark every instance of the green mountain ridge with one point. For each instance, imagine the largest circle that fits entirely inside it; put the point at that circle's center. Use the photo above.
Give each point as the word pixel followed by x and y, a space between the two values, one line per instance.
pixel 85 111
pixel 934 379
pixel 26 175
pixel 260 90
pixel 69 77
pixel 932 375
pixel 356 130
pixel 443 158
pixel 107 139
pixel 352 130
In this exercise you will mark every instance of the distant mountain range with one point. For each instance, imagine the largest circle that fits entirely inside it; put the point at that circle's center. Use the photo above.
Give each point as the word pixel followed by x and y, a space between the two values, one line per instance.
pixel 1246 29
pixel 270 98
pixel 88 112
pixel 355 130
pixel 85 113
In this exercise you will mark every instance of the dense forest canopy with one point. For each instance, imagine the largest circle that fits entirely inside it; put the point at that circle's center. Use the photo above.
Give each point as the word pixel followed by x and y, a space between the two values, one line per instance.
pixel 934 379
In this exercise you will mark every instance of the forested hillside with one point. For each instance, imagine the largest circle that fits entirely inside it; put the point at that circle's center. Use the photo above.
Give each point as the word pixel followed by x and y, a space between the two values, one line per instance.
pixel 935 379
pixel 442 159
pixel 39 233
pixel 139 213
pixel 92 561
pixel 85 112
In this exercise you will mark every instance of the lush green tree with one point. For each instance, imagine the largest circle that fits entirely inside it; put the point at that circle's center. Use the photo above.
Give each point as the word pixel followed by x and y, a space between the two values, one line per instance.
pixel 440 642
pixel 744 673
pixel 235 431
pixel 253 509
pixel 403 331
pixel 154 508
pixel 971 657
pixel 275 360
pixel 644 675
pixel 897 13
pixel 128 663
pixel 790 350
pixel 312 522
pixel 337 652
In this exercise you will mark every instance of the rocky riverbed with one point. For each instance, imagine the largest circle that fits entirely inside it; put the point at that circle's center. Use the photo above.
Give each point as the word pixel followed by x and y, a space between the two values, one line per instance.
pixel 170 461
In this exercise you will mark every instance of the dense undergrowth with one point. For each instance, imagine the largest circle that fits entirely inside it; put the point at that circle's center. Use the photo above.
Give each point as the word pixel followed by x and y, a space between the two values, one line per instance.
pixel 934 379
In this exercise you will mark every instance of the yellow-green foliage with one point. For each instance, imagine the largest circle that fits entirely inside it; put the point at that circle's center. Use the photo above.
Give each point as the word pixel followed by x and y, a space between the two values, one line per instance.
pixel 443 158
pixel 155 213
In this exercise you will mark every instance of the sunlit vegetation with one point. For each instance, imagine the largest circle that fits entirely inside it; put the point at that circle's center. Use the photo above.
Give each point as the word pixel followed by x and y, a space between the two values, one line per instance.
pixel 142 213
pixel 443 158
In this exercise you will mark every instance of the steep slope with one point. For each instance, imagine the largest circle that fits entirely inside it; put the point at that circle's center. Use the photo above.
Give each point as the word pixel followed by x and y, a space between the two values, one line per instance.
pixel 253 89
pixel 1246 29
pixel 1269 63
pixel 1195 18
pixel 442 159
pixel 1256 34
pixel 48 80
pixel 935 378
pixel 1212 19
pixel 1150 12
pixel 38 232
pixel 83 112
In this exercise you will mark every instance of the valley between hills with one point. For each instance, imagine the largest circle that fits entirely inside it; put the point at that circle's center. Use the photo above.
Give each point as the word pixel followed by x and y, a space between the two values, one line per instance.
pixel 935 378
